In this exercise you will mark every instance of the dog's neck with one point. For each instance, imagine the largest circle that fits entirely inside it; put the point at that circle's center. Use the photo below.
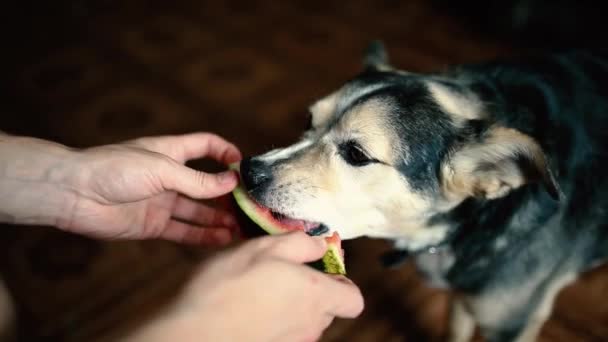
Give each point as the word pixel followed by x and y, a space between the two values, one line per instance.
pixel 478 233
pixel 484 232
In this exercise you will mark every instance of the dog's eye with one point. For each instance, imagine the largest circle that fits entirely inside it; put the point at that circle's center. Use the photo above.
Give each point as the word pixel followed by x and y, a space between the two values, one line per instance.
pixel 354 154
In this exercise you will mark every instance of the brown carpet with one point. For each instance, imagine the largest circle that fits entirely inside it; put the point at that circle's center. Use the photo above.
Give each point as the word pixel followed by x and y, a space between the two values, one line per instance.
pixel 92 72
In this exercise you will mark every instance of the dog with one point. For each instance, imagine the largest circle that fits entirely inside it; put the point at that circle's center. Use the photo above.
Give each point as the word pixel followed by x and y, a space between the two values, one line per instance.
pixel 488 175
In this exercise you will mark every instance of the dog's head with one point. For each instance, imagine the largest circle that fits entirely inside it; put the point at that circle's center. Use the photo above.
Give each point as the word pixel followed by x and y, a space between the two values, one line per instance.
pixel 390 150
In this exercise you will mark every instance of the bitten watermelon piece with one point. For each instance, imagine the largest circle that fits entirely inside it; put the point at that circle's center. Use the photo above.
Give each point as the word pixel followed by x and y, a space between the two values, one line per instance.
pixel 333 260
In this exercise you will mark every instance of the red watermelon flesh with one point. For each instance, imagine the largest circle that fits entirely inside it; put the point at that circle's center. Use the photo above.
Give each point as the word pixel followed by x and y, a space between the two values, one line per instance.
pixel 274 223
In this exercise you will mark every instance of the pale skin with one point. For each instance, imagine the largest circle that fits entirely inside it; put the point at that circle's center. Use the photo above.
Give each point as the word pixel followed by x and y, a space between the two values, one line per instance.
pixel 141 189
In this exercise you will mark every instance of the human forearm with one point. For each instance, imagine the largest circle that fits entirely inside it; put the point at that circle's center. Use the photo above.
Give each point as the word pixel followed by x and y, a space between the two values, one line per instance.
pixel 35 178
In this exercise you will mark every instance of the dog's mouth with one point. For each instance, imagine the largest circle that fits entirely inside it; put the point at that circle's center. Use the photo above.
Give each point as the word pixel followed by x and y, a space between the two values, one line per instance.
pixel 311 228
pixel 272 220
pixel 288 223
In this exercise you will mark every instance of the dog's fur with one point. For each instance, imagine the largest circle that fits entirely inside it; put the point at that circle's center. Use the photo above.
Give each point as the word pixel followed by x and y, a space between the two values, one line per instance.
pixel 491 175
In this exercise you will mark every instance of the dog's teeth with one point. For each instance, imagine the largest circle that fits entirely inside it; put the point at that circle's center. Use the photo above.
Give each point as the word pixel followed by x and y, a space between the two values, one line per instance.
pixel 320 230
pixel 277 216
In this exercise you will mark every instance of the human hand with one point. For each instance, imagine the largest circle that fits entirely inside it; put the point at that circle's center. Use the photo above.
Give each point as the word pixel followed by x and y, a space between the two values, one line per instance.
pixel 134 190
pixel 259 291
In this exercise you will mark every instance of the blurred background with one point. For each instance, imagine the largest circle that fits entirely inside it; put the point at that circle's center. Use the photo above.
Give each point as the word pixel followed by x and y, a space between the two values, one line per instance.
pixel 89 72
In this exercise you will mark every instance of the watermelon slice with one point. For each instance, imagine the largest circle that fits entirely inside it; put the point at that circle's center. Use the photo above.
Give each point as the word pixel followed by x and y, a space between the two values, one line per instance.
pixel 333 260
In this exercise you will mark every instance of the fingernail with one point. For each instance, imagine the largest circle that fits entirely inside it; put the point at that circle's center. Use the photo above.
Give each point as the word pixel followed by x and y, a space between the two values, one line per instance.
pixel 226 176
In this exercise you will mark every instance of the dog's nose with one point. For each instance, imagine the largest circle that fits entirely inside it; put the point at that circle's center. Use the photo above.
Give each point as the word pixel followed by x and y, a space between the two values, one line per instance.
pixel 255 173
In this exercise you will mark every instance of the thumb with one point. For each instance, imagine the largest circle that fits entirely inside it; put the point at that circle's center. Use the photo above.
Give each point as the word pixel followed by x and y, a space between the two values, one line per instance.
pixel 197 184
pixel 296 247
pixel 342 297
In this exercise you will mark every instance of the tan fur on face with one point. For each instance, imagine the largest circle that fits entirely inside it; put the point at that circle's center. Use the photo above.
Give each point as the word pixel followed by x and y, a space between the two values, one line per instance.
pixel 375 200
pixel 323 109
pixel 461 107
pixel 367 125
pixel 489 168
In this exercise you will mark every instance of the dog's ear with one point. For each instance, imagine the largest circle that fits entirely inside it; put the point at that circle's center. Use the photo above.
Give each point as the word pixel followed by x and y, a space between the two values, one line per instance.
pixel 502 160
pixel 376 57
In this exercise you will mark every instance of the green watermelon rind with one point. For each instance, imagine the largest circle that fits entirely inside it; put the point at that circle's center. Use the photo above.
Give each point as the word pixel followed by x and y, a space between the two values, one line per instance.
pixel 249 208
pixel 332 261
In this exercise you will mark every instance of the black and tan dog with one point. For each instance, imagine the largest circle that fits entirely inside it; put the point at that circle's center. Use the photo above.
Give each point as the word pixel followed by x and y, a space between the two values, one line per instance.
pixel 491 176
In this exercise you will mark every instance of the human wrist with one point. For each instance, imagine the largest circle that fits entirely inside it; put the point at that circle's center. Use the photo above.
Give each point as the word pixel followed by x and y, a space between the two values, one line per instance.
pixel 36 181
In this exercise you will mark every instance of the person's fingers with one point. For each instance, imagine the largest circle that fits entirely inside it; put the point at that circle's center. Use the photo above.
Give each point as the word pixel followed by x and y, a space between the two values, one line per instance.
pixel 323 324
pixel 192 146
pixel 198 145
pixel 296 247
pixel 189 234
pixel 326 322
pixel 198 213
pixel 197 184
pixel 342 297
pixel 315 329
pixel 341 278
pixel 226 202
